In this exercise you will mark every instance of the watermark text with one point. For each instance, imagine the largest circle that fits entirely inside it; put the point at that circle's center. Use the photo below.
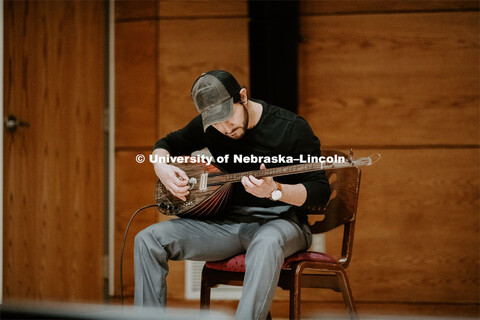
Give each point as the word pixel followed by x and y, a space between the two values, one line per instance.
pixel 239 158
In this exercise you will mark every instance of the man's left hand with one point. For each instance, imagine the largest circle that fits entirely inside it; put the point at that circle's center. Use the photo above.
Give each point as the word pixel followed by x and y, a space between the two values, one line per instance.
pixel 261 188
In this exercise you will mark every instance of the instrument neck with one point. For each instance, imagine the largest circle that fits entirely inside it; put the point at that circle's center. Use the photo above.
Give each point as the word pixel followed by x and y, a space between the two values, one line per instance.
pixel 292 169
pixel 283 171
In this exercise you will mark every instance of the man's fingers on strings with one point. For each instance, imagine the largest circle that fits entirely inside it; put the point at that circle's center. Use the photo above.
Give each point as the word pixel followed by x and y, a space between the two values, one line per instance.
pixel 255 181
pixel 180 190
pixel 181 175
pixel 247 183
pixel 180 195
pixel 178 180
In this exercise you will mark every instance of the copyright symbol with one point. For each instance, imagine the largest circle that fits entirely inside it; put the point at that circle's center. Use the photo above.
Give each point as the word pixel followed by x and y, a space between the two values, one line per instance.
pixel 140 158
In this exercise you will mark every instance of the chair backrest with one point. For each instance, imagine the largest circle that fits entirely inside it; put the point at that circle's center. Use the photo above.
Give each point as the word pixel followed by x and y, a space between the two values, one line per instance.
pixel 341 209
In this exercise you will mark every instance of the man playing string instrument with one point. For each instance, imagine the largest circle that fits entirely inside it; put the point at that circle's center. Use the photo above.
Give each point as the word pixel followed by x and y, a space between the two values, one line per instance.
pixel 265 218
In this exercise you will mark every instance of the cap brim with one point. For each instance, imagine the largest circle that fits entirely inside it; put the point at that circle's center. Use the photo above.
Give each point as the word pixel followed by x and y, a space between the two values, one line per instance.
pixel 217 114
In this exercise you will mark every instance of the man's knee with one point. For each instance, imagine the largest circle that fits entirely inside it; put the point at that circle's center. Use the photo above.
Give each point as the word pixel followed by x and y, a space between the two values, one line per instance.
pixel 149 237
pixel 267 245
pixel 142 240
pixel 148 246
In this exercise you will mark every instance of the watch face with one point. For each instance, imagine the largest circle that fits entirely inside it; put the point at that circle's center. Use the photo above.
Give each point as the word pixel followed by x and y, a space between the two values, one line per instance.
pixel 277 194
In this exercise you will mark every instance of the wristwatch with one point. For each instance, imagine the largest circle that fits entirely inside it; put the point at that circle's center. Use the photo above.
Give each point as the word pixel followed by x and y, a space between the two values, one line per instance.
pixel 277 193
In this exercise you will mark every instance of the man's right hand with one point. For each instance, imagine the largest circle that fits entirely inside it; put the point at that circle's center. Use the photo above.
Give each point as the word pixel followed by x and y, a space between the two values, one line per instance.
pixel 174 179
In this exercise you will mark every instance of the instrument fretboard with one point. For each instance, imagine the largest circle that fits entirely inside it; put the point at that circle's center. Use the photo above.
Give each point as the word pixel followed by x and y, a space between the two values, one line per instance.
pixel 286 170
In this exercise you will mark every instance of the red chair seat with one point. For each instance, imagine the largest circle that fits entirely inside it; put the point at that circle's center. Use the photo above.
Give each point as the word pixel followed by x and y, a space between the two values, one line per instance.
pixel 237 263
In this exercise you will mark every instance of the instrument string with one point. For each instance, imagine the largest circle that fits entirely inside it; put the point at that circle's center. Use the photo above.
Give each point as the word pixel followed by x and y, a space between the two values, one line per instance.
pixel 287 170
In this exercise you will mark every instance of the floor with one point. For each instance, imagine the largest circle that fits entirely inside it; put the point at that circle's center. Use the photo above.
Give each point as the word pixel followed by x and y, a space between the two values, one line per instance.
pixel 336 310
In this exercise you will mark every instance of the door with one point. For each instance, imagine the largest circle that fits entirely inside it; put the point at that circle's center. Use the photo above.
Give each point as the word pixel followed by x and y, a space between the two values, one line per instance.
pixel 54 74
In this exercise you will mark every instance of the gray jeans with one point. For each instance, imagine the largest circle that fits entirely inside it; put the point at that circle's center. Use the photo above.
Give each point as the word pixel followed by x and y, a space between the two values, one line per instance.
pixel 266 239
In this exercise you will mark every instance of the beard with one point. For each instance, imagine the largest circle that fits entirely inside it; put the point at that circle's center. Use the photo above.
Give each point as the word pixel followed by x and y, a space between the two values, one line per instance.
pixel 239 131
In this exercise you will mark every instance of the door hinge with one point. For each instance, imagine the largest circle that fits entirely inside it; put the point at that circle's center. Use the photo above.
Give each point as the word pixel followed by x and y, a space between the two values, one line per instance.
pixel 106 120
pixel 105 266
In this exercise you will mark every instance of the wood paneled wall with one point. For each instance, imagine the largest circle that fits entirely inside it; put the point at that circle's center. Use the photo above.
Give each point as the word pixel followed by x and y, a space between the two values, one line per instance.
pixel 395 77
pixel 161 48
pixel 401 78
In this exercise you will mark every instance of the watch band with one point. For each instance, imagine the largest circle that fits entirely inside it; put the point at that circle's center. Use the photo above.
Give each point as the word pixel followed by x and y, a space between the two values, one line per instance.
pixel 278 187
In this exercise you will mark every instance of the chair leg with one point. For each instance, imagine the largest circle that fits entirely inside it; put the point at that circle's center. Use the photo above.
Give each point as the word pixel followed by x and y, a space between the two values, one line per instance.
pixel 204 297
pixel 347 294
pixel 295 296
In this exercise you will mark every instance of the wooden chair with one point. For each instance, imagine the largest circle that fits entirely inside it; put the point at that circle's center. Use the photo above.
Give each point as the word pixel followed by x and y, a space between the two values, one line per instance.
pixel 306 269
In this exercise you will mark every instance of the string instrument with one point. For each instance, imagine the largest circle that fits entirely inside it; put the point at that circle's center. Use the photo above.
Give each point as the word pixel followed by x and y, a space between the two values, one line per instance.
pixel 211 187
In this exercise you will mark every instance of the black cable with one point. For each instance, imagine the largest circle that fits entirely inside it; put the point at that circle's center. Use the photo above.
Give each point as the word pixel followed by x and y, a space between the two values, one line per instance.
pixel 125 239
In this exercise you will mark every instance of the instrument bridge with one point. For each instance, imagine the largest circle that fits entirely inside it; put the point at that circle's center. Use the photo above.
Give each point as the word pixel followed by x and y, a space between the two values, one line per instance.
pixel 203 181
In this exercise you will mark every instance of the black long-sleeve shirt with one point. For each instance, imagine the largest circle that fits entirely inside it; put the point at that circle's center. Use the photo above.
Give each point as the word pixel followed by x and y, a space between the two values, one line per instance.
pixel 278 132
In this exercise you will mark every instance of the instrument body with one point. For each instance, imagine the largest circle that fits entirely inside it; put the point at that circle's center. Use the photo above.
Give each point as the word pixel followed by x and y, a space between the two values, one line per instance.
pixel 201 201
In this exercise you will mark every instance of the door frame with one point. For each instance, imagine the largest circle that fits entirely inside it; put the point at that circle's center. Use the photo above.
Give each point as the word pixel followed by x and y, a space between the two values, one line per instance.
pixel 110 153
pixel 1 153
